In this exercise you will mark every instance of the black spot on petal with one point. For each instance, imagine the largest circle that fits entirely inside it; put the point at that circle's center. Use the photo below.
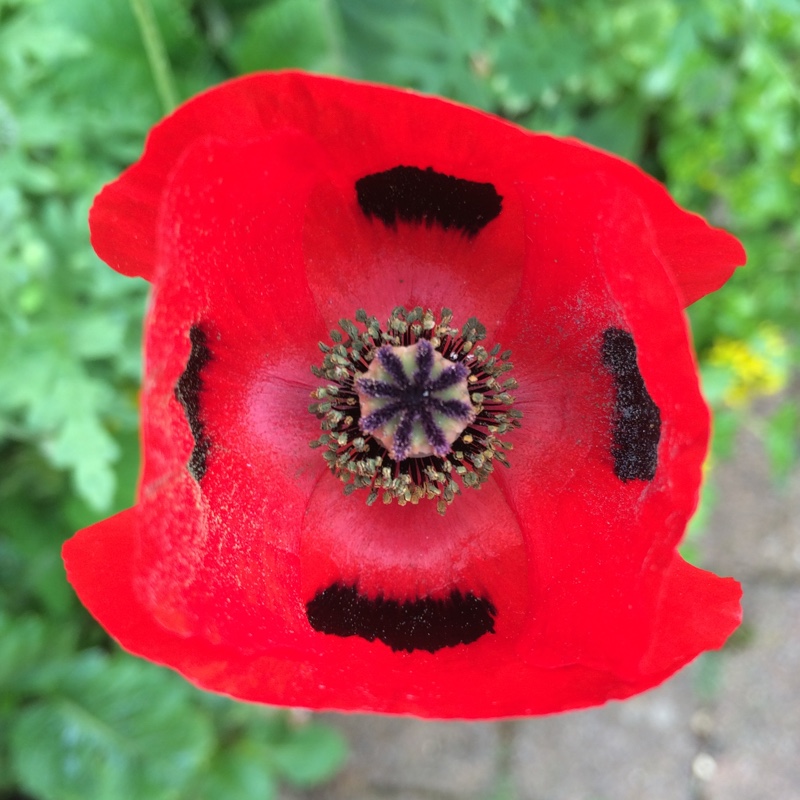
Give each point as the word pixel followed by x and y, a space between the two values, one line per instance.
pixel 419 195
pixel 188 391
pixel 423 624
pixel 637 420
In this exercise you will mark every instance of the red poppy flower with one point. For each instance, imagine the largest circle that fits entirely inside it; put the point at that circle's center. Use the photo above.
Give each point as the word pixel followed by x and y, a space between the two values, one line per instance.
pixel 358 268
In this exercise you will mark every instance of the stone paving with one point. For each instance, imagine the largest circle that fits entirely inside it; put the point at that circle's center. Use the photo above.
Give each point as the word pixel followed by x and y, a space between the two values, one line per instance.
pixel 726 728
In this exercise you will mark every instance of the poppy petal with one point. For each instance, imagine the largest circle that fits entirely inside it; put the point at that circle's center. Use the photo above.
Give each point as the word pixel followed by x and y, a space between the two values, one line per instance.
pixel 570 398
pixel 99 563
pixel 694 607
pixel 228 370
pixel 350 119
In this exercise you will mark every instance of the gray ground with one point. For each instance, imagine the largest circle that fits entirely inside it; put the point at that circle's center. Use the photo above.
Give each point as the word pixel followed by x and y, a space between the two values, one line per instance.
pixel 726 728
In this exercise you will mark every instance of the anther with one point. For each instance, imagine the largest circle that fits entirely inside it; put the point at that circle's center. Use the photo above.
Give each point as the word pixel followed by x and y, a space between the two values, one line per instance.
pixel 408 407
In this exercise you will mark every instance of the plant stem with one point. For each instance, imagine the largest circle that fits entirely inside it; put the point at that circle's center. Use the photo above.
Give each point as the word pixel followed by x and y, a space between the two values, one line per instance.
pixel 156 54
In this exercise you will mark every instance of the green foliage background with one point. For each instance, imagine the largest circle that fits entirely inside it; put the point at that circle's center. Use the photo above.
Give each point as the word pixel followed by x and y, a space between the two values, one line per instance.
pixel 703 94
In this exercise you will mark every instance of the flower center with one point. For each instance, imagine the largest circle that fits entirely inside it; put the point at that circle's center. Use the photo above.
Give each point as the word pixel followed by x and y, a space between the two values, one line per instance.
pixel 415 411
pixel 413 401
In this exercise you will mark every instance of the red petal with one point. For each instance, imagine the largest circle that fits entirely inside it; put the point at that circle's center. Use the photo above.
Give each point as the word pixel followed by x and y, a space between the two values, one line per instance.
pixel 698 257
pixel 695 607
pixel 99 561
pixel 403 553
pixel 244 286
pixel 353 262
pixel 599 543
pixel 371 128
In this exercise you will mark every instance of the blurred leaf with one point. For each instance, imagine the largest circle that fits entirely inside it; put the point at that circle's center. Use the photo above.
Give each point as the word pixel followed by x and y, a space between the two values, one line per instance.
pixel 113 729
pixel 783 438
pixel 31 531
pixel 725 426
pixel 690 546
pixel 504 11
pixel 286 33
pixel 435 46
pixel 83 444
pixel 707 676
pixel 619 128
pixel 26 642
pixel 311 754
pixel 241 770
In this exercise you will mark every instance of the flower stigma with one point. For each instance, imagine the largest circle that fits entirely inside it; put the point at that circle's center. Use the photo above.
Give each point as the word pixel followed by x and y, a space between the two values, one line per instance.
pixel 414 411
pixel 413 401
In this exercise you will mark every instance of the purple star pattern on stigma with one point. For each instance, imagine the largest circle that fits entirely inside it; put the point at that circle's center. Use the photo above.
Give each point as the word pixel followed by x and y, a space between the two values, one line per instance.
pixel 414 398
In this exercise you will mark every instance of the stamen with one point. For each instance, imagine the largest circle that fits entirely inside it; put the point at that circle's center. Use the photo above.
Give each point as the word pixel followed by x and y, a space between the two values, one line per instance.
pixel 414 411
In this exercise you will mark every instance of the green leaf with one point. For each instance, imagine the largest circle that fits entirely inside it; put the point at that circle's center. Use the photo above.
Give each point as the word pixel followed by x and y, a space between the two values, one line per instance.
pixel 241 770
pixel 83 444
pixel 618 128
pixel 114 729
pixel 26 642
pixel 781 438
pixel 31 531
pixel 286 33
pixel 725 426
pixel 698 524
pixel 504 11
pixel 311 754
